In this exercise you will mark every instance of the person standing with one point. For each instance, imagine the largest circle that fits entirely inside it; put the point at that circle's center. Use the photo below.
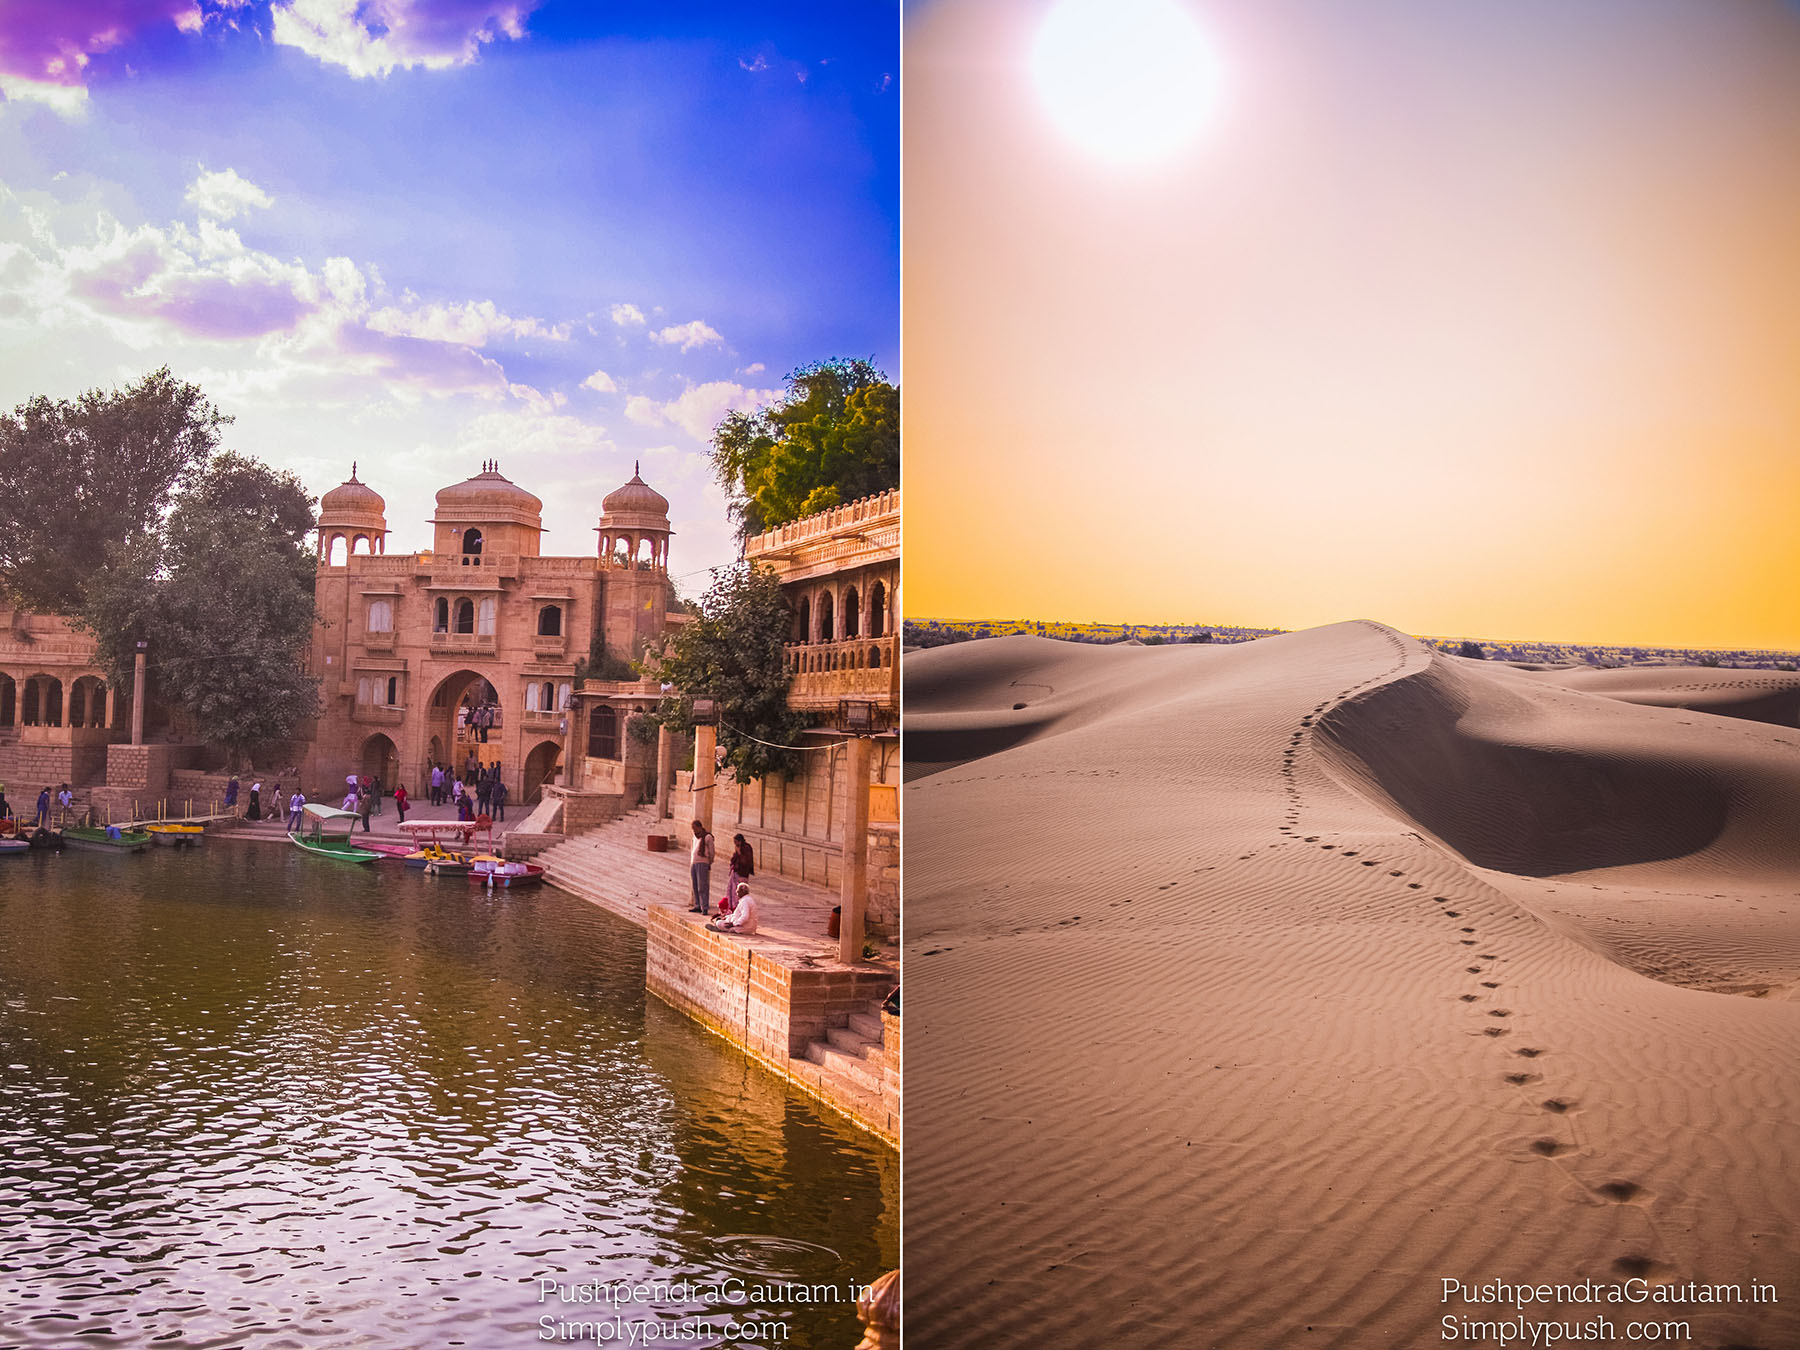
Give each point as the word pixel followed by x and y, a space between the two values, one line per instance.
pixel 375 791
pixel 486 721
pixel 498 797
pixel 65 799
pixel 43 809
pixel 365 802
pixel 400 801
pixel 275 801
pixel 296 810
pixel 484 789
pixel 700 861
pixel 255 811
pixel 231 794
pixel 743 867
pixel 437 783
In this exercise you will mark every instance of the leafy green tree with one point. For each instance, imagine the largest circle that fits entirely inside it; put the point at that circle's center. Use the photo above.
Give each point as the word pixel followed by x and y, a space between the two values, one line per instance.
pixel 834 437
pixel 222 590
pixel 82 477
pixel 734 651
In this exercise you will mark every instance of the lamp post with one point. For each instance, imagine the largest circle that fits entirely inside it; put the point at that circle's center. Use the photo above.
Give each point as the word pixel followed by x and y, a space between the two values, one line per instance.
pixel 137 694
pixel 857 718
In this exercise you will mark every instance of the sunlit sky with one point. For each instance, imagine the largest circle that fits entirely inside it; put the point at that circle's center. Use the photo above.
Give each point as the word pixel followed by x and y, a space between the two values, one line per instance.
pixel 423 233
pixel 1474 318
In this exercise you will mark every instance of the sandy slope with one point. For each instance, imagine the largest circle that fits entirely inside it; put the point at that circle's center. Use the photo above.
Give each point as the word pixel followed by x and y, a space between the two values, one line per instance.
pixel 1253 990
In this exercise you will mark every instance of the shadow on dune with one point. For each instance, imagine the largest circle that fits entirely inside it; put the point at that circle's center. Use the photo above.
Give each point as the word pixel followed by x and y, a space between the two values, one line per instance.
pixel 1513 787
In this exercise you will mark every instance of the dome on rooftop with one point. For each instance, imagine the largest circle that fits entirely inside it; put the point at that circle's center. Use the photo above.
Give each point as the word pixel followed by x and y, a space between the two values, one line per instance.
pixel 351 497
pixel 635 497
pixel 486 491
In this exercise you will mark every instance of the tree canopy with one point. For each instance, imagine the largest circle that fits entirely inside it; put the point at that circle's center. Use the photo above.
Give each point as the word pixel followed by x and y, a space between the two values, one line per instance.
pixel 222 590
pixel 833 438
pixel 81 477
pixel 734 650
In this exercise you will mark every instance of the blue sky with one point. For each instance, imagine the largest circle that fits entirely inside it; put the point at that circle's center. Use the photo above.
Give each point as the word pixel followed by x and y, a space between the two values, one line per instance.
pixel 423 233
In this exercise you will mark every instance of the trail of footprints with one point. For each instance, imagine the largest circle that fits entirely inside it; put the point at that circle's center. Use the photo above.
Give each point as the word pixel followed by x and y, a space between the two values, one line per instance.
pixel 1617 1190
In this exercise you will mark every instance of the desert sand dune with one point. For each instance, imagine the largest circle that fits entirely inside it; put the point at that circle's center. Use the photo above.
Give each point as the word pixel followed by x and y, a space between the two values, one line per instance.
pixel 1256 989
pixel 1759 695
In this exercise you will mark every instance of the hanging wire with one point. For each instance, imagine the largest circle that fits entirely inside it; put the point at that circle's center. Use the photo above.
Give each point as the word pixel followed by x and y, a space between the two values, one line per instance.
pixel 829 745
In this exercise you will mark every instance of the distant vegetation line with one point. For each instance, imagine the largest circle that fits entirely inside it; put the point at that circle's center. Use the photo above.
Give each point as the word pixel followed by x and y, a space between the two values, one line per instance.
pixel 923 633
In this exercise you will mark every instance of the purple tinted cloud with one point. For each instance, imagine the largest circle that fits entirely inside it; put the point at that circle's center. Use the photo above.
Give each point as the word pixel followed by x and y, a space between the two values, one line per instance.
pixel 49 41
pixel 445 367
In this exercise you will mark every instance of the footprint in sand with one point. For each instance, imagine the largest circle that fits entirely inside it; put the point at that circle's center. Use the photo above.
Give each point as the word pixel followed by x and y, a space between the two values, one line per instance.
pixel 1415 885
pixel 1468 998
pixel 1473 970
pixel 1548 1148
pixel 1489 956
pixel 1500 1012
pixel 1489 984
pixel 1639 1267
pixel 1453 913
pixel 1441 899
pixel 1466 930
pixel 1523 1079
pixel 1470 942
pixel 1621 1192
pixel 1493 1031
pixel 1530 1052
pixel 1558 1106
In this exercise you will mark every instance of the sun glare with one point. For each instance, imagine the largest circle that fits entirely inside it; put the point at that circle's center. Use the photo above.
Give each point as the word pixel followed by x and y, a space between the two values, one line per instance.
pixel 1131 81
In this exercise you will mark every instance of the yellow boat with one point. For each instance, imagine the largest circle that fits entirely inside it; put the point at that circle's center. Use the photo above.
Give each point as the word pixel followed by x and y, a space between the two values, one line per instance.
pixel 176 836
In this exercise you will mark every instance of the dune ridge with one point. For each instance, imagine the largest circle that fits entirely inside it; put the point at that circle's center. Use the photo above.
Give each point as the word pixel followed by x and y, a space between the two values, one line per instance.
pixel 1247 999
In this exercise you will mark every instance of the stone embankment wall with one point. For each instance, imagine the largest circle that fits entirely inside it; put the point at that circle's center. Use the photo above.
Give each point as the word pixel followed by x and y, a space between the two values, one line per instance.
pixel 770 1007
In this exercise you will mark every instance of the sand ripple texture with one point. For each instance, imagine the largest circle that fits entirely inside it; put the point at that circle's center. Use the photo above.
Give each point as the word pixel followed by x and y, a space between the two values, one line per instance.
pixel 1254 990
pixel 249 1099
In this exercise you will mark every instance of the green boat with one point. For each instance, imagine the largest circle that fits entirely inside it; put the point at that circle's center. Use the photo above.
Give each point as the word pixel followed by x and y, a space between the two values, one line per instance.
pixel 110 839
pixel 326 832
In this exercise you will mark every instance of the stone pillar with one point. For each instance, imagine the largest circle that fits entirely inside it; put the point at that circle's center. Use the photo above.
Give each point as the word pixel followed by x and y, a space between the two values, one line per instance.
pixel 856 849
pixel 137 701
pixel 665 770
pixel 706 741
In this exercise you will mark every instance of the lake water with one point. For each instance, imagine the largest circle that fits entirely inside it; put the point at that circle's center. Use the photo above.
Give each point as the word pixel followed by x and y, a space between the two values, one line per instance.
pixel 253 1098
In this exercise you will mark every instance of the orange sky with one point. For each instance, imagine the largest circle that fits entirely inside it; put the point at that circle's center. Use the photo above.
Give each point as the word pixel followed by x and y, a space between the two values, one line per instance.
pixel 1476 318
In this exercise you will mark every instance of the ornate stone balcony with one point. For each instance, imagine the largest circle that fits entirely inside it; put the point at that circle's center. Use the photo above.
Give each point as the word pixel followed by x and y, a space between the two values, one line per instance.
pixel 479 644
pixel 824 672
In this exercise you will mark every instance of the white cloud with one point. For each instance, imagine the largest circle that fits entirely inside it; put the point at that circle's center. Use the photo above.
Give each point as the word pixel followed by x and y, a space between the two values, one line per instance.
pixel 472 323
pixel 754 368
pixel 226 194
pixel 71 100
pixel 699 408
pixel 376 37
pixel 627 315
pixel 601 383
pixel 687 336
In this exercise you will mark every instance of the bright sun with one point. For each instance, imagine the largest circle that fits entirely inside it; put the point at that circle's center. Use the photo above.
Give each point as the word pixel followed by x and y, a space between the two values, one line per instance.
pixel 1131 81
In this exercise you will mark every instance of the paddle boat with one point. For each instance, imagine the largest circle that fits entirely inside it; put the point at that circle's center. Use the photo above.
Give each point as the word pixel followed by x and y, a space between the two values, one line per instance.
pixel 325 832
pixel 171 835
pixel 10 847
pixel 435 845
pixel 106 839
pixel 498 872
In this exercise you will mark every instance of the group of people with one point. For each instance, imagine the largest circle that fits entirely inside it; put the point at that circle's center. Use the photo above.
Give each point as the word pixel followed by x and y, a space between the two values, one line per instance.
pixel 737 910
pixel 479 720
pixel 58 797
pixel 479 788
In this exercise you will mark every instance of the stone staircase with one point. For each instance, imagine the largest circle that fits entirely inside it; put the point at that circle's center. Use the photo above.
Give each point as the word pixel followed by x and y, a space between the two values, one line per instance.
pixel 857 1063
pixel 613 867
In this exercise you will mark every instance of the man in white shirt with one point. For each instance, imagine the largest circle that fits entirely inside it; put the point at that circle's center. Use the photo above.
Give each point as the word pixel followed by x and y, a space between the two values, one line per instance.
pixel 700 858
pixel 741 920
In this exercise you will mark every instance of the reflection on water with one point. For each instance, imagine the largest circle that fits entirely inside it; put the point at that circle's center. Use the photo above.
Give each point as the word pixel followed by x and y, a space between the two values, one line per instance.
pixel 249 1097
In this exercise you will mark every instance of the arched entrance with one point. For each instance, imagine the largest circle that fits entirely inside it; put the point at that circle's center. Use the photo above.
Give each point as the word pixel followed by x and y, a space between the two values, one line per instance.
pixel 451 722
pixel 541 766
pixel 381 759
